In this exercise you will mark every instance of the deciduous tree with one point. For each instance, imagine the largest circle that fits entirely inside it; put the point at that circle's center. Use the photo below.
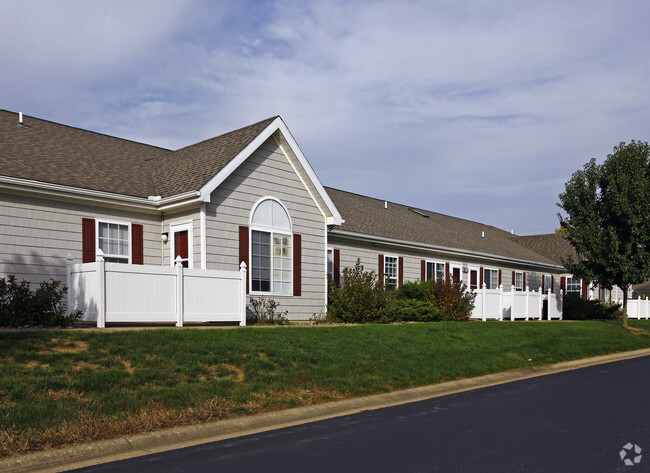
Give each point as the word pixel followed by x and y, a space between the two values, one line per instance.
pixel 607 219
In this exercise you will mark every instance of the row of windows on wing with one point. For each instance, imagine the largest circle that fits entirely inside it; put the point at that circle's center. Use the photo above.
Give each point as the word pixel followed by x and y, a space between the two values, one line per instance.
pixel 436 271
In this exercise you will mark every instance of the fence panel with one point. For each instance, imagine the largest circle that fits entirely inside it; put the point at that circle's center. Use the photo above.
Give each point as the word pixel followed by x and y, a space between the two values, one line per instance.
pixel 139 293
pixel 210 296
pixel 114 292
pixel 555 305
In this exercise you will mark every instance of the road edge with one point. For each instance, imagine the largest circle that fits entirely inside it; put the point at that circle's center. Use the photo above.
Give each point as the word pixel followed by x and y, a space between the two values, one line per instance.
pixel 94 453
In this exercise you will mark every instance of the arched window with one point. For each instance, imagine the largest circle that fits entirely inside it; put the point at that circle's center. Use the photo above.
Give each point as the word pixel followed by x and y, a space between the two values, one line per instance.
pixel 271 243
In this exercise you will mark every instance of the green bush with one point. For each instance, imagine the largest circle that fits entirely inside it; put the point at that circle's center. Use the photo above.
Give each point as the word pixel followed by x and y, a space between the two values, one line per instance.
pixel 20 307
pixel 576 308
pixel 415 310
pixel 360 298
pixel 449 300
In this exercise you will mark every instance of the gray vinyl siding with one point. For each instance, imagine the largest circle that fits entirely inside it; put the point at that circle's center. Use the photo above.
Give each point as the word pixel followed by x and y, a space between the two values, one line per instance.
pixel 268 173
pixel 37 234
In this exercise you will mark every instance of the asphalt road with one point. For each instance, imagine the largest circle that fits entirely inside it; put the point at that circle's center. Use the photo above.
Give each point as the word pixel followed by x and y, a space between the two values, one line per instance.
pixel 575 421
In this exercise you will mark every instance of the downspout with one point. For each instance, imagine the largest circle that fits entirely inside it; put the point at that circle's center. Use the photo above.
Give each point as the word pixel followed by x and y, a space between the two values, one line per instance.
pixel 204 239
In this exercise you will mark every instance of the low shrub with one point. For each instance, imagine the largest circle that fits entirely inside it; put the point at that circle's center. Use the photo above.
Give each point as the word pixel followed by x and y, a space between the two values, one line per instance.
pixel 448 300
pixel 361 298
pixel 266 312
pixel 577 308
pixel 46 306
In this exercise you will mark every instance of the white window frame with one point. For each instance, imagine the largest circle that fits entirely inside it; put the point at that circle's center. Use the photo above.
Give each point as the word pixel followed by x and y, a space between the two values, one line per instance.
pixel 108 256
pixel 177 228
pixel 391 282
pixel 573 285
pixel 519 285
pixel 435 270
pixel 485 278
pixel 272 231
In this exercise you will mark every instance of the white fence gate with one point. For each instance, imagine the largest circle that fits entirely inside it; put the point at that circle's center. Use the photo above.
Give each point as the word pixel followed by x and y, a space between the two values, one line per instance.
pixel 512 305
pixel 115 292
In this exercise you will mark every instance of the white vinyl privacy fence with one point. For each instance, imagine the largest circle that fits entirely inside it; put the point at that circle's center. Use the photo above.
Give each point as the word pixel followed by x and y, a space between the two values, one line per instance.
pixel 115 292
pixel 511 305
pixel 638 308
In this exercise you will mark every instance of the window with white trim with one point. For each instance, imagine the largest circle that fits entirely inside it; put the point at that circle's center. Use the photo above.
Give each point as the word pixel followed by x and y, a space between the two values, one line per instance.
pixel 435 271
pixel 573 285
pixel 113 240
pixel 390 272
pixel 491 278
pixel 519 281
pixel 271 256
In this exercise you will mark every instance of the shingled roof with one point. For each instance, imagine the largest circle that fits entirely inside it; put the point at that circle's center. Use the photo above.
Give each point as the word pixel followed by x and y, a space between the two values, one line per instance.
pixel 369 216
pixel 554 246
pixel 45 151
pixel 40 150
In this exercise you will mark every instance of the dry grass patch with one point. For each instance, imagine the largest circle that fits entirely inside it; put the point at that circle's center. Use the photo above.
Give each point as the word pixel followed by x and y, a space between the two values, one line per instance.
pixel 66 346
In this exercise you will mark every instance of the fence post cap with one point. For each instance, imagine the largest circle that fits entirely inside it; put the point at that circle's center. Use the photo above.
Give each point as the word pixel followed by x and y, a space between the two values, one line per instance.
pixel 99 256
pixel 70 258
pixel 242 265
pixel 179 261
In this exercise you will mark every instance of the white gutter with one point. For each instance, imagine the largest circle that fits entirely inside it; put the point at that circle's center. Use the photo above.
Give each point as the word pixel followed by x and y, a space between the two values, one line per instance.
pixel 347 235
pixel 151 203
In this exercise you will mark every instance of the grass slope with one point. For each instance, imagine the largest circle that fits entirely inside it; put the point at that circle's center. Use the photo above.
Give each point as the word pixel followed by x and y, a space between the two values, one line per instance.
pixel 60 387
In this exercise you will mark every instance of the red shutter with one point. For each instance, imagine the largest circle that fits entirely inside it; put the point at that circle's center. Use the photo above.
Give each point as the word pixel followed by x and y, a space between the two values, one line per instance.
pixel 600 292
pixel 563 284
pixel 400 271
pixel 423 270
pixel 243 252
pixel 297 265
pixel 552 279
pixel 499 277
pixel 585 290
pixel 337 265
pixel 447 272
pixel 481 277
pixel 380 272
pixel 524 279
pixel 88 249
pixel 137 239
pixel 513 278
pixel 543 279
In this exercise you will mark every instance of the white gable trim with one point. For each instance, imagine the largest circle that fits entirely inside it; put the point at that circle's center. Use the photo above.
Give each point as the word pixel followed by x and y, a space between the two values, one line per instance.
pixel 331 214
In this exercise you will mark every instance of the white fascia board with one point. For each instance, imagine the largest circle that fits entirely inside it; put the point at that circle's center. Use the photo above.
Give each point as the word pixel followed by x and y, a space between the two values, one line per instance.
pixel 455 252
pixel 98 197
pixel 275 125
pixel 76 193
pixel 244 154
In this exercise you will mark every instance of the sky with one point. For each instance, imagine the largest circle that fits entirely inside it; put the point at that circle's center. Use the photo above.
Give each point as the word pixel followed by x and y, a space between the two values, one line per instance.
pixel 476 109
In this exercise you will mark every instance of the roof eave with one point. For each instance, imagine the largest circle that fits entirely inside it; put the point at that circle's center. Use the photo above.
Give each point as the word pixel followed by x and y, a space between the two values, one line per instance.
pixel 454 252
pixel 60 191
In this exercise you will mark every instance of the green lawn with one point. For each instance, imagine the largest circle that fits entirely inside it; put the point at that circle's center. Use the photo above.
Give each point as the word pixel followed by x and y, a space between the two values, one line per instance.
pixel 59 387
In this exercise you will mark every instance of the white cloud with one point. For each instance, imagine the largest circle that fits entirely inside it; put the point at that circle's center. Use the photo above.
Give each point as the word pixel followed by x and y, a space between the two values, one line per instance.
pixel 482 109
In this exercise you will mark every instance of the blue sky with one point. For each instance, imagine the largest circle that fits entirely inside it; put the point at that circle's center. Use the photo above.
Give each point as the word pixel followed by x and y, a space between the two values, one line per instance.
pixel 476 109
